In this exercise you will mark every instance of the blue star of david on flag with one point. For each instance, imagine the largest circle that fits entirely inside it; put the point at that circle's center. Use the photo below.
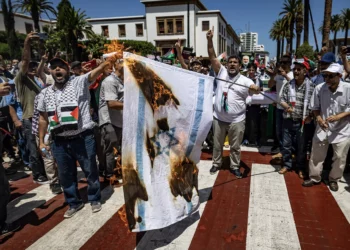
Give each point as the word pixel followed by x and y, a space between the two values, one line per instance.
pixel 163 141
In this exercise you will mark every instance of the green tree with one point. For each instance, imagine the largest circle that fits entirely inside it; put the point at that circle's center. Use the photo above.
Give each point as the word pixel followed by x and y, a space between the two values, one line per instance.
pixel 143 47
pixel 305 50
pixel 95 45
pixel 9 23
pixel 290 8
pixel 345 16
pixel 35 8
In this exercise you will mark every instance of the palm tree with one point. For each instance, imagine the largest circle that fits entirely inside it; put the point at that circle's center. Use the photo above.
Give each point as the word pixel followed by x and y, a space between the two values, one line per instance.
pixel 299 22
pixel 276 34
pixel 336 24
pixel 76 28
pixel 36 8
pixel 290 11
pixel 326 22
pixel 345 16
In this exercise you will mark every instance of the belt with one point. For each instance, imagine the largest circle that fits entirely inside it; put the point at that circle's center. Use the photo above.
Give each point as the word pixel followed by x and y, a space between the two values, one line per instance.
pixel 73 137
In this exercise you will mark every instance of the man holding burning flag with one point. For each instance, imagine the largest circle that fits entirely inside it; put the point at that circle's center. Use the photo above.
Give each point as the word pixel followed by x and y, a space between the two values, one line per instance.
pixel 65 108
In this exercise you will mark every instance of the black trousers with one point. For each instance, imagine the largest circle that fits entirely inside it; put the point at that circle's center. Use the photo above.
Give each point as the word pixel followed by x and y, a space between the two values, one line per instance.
pixel 252 131
pixel 111 137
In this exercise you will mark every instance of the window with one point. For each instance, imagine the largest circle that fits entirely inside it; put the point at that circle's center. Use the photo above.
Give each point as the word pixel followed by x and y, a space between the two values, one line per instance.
pixel 224 32
pixel 139 29
pixel 205 25
pixel 105 31
pixel 29 27
pixel 170 26
pixel 179 26
pixel 122 32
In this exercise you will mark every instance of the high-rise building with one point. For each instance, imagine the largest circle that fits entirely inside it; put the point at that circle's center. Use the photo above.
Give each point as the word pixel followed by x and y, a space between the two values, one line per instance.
pixel 248 41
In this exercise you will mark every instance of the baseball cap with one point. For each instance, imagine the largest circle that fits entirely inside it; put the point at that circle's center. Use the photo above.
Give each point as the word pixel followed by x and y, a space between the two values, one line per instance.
pixel 334 68
pixel 75 64
pixel 329 57
pixel 56 59
pixel 302 62
pixel 196 61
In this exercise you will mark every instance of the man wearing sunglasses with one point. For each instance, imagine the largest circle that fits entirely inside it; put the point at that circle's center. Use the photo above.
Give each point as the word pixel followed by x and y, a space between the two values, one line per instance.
pixel 295 100
pixel 330 103
pixel 326 60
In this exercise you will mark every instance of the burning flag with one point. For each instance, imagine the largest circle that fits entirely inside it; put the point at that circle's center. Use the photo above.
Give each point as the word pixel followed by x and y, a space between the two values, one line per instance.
pixel 168 112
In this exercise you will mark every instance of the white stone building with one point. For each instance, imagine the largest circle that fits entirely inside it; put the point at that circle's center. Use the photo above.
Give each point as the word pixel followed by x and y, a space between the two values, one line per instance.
pixel 23 23
pixel 166 21
pixel 163 23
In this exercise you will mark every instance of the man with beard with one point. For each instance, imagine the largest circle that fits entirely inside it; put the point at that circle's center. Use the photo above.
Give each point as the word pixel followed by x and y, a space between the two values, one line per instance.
pixel 245 63
pixel 330 103
pixel 295 100
pixel 65 106
pixel 229 108
pixel 28 86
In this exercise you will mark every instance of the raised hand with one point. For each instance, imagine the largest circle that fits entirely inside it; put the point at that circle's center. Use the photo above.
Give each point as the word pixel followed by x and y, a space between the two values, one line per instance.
pixel 210 33
pixel 45 57
pixel 178 44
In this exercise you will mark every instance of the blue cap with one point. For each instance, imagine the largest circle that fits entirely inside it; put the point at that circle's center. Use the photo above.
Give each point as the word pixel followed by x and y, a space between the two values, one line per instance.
pixel 329 57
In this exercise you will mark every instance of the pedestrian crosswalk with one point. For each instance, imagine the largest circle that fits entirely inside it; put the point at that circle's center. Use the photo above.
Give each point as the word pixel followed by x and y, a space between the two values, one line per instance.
pixel 265 210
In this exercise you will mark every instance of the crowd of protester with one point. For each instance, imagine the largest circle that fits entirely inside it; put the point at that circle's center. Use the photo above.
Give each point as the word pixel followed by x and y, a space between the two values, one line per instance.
pixel 57 115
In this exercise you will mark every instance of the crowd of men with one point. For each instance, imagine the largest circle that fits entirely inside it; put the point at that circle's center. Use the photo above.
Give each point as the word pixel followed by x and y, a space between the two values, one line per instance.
pixel 65 115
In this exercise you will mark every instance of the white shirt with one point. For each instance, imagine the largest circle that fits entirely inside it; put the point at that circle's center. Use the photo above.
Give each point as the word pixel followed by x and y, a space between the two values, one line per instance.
pixel 280 82
pixel 237 96
pixel 329 104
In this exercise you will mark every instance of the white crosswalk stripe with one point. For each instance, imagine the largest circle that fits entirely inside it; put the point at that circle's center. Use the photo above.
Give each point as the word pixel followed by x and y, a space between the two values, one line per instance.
pixel 74 232
pixel 270 220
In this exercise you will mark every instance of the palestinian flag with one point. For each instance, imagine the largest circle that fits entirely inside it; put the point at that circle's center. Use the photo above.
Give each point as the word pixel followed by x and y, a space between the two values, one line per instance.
pixel 53 119
pixel 223 56
pixel 69 114
pixel 170 54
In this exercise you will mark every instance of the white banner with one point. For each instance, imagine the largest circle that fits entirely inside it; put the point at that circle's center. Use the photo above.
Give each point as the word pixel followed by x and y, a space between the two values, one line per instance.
pixel 167 116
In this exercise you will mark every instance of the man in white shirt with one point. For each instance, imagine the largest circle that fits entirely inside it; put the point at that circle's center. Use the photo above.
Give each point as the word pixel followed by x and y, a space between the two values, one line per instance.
pixel 330 103
pixel 229 108
pixel 284 75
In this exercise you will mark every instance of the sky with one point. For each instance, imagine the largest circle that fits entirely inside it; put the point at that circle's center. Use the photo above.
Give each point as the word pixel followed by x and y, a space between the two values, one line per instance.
pixel 256 14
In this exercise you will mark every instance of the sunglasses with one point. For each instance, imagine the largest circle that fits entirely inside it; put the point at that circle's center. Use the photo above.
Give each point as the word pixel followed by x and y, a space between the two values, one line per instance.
pixel 328 76
pixel 54 66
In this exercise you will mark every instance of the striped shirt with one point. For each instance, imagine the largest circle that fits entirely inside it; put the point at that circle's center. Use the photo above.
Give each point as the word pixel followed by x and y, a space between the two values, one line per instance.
pixel 300 96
